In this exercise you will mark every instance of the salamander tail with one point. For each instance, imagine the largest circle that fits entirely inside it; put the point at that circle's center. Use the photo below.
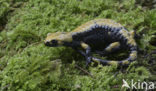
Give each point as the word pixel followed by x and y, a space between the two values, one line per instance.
pixel 131 58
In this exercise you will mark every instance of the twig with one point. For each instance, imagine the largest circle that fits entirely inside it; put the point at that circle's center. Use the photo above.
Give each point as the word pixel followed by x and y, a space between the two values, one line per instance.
pixel 6 86
pixel 84 70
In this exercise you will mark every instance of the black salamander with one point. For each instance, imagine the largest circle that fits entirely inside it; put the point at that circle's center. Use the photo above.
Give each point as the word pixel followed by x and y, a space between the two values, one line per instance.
pixel 102 36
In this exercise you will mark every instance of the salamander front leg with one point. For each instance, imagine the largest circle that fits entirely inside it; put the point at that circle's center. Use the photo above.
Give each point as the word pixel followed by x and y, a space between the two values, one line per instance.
pixel 80 51
pixel 88 52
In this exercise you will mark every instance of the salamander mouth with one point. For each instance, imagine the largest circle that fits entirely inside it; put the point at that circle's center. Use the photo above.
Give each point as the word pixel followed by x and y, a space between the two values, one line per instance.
pixel 47 43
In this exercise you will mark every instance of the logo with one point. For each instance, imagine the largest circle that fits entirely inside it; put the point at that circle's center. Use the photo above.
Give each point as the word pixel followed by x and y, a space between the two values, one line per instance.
pixel 125 84
pixel 138 85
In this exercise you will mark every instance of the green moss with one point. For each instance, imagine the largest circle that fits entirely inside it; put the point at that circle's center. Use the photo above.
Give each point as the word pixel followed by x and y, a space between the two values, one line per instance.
pixel 27 65
pixel 32 69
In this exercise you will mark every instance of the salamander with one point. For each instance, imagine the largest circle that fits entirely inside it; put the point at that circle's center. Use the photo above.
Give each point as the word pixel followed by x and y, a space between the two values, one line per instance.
pixel 100 36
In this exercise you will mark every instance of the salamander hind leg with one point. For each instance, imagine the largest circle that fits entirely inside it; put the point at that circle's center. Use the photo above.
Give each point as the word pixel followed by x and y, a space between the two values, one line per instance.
pixel 109 49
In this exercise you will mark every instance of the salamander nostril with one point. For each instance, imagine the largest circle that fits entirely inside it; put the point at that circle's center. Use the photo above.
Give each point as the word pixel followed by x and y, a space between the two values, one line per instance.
pixel 47 43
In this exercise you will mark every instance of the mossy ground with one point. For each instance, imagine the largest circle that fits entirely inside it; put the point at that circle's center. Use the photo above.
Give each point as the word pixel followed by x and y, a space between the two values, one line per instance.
pixel 27 65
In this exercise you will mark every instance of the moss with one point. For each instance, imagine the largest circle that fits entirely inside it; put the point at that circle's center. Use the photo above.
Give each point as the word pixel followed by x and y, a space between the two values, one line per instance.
pixel 27 65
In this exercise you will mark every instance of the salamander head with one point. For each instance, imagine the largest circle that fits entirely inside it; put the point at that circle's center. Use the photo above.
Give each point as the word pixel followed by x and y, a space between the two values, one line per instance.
pixel 57 39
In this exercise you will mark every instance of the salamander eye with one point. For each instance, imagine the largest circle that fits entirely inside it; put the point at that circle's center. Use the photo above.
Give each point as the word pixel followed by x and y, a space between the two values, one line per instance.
pixel 54 42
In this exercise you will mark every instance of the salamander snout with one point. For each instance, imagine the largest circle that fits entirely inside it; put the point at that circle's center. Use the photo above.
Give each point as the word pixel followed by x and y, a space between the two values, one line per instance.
pixel 47 43
pixel 52 43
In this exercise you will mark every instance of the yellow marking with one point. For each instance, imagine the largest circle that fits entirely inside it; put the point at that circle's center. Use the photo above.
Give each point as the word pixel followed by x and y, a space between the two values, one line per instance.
pixel 109 62
pixel 84 27
pixel 125 62
pixel 108 22
pixel 124 33
pixel 112 45
pixel 133 55
pixel 99 22
pixel 131 41
pixel 113 62
pixel 84 45
pixel 109 33
pixel 48 34
pixel 60 43
pixel 128 36
pixel 59 36
pixel 95 60
pixel 132 33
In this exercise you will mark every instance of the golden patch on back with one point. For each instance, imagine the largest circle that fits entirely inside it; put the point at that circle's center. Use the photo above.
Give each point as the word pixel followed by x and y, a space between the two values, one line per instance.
pixel 99 22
